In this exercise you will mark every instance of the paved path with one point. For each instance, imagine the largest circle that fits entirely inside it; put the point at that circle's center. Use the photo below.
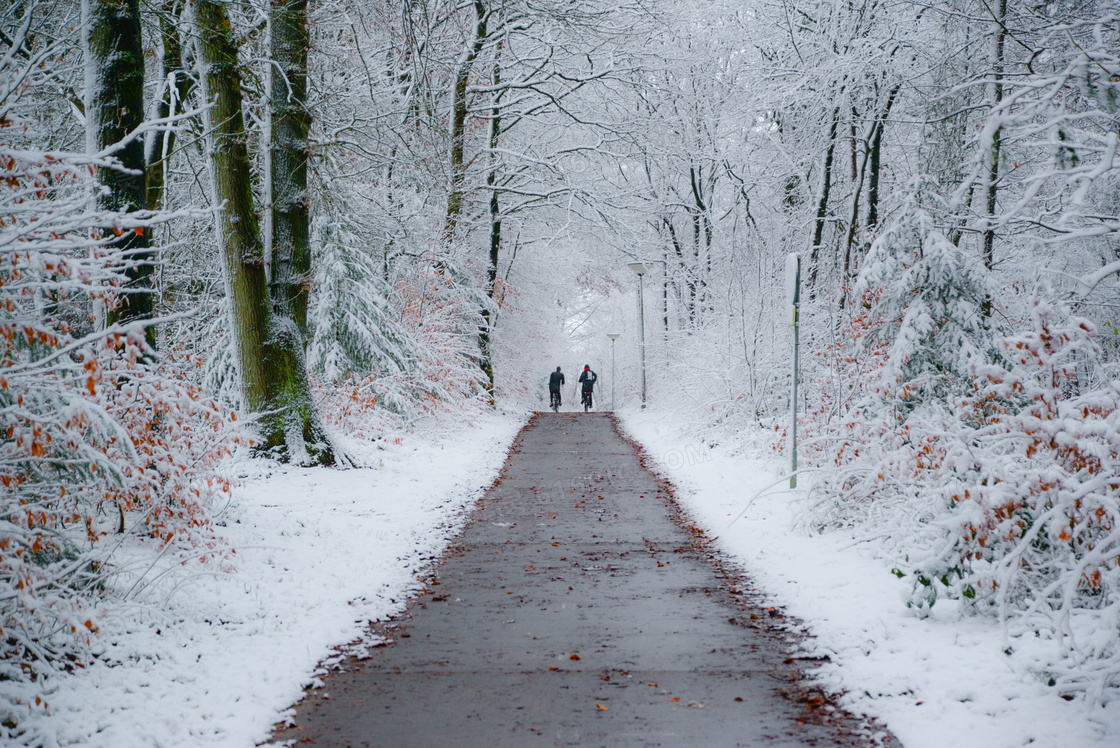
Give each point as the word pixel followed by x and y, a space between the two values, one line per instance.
pixel 573 611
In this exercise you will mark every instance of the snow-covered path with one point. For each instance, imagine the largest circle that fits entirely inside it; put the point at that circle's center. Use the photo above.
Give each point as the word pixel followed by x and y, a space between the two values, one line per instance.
pixel 576 610
pixel 942 681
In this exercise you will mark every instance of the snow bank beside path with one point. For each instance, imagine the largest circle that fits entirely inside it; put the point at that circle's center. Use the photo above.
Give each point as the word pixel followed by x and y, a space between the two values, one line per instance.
pixel 214 660
pixel 942 681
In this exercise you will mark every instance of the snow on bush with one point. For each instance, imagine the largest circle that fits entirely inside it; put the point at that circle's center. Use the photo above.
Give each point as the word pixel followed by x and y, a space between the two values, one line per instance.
pixel 372 383
pixel 1029 521
pixel 990 461
pixel 905 355
pixel 354 327
pixel 100 437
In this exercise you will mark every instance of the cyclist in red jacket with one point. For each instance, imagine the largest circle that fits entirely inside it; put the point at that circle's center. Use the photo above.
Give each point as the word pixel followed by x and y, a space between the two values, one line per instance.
pixel 587 379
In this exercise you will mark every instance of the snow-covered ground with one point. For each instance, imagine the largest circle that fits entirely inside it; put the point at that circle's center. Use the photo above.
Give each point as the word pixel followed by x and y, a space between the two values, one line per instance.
pixel 215 660
pixel 941 681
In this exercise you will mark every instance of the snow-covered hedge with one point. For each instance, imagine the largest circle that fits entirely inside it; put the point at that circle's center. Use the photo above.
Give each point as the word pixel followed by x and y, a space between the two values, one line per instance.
pixel 100 438
pixel 989 459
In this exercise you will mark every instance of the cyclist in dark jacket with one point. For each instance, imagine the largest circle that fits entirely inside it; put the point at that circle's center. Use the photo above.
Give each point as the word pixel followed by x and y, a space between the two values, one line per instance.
pixel 555 381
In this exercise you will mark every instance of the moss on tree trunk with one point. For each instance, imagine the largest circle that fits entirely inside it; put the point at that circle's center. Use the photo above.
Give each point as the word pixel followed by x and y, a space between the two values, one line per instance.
pixel 116 108
pixel 269 348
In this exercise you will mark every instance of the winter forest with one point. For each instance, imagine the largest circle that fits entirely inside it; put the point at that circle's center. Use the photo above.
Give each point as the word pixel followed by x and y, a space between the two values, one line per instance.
pixel 290 230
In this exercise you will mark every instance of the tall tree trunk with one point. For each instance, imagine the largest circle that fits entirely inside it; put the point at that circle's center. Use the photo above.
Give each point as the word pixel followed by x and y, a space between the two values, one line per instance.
pixel 873 176
pixel 115 108
pixel 855 141
pixel 177 88
pixel 853 219
pixel 995 96
pixel 694 286
pixel 679 250
pixel 290 149
pixel 876 156
pixel 822 205
pixel 872 147
pixel 268 346
pixel 702 227
pixel 459 107
pixel 486 329
pixel 665 293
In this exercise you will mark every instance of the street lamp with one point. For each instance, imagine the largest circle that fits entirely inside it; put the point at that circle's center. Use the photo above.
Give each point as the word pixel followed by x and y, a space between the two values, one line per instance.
pixel 641 269
pixel 793 298
pixel 613 336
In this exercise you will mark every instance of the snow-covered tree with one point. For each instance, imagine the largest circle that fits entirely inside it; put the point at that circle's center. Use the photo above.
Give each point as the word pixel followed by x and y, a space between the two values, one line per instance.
pixel 268 344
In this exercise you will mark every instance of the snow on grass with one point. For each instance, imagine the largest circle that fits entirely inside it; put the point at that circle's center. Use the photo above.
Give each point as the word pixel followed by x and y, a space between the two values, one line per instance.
pixel 216 659
pixel 933 682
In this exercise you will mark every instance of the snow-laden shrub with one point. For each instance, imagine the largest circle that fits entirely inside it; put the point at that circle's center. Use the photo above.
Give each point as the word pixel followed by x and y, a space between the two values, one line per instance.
pixel 990 462
pixel 99 437
pixel 355 331
pixel 443 320
pixel 901 359
pixel 1030 520
pixel 934 302
pixel 383 363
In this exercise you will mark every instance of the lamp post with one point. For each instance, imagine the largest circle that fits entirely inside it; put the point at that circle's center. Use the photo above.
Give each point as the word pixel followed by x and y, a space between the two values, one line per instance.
pixel 613 336
pixel 793 298
pixel 641 269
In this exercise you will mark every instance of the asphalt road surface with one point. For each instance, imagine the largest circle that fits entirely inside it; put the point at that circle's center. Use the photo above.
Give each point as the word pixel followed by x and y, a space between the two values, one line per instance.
pixel 577 608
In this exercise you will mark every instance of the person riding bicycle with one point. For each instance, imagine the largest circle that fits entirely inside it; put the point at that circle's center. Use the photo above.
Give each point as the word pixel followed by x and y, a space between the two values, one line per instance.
pixel 588 379
pixel 555 381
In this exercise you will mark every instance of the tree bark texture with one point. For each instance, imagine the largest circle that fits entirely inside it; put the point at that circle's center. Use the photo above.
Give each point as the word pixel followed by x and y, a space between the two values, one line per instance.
pixel 290 149
pixel 873 177
pixel 486 329
pixel 822 206
pixel 995 97
pixel 269 350
pixel 992 186
pixel 459 108
pixel 115 109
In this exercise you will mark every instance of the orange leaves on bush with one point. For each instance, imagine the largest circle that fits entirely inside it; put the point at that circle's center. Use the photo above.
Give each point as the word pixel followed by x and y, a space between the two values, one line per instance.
pixel 1052 505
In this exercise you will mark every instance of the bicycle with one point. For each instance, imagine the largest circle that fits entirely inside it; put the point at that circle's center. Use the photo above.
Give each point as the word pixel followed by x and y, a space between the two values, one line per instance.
pixel 586 400
pixel 554 401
